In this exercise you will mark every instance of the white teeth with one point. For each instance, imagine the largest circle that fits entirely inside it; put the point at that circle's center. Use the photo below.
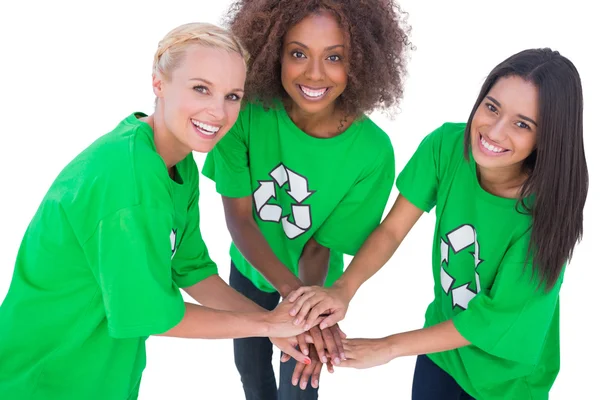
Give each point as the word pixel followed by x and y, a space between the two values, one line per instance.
pixel 491 147
pixel 208 129
pixel 313 93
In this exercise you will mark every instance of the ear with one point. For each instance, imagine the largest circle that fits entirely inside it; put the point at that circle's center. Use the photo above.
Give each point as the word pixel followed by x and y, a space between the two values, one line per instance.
pixel 157 85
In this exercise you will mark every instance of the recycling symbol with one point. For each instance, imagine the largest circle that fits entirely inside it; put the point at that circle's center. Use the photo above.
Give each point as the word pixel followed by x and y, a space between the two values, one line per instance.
pixel 297 189
pixel 458 240
pixel 173 242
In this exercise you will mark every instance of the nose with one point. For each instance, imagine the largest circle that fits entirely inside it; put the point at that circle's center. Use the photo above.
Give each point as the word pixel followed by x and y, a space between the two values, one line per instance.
pixel 497 131
pixel 314 70
pixel 217 109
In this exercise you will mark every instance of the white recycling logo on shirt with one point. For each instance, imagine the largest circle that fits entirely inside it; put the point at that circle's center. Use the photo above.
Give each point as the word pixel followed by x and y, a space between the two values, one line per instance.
pixel 298 190
pixel 458 240
pixel 173 242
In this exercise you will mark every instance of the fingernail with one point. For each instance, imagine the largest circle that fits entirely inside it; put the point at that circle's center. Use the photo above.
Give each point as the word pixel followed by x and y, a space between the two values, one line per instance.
pixel 307 361
pixel 336 361
pixel 306 327
pixel 303 385
pixel 343 355
pixel 323 359
pixel 292 312
pixel 295 382
pixel 305 352
pixel 323 326
pixel 315 383
pixel 296 321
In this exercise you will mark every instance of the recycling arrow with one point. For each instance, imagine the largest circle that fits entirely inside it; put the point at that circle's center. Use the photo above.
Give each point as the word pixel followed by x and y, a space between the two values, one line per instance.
pixel 462 295
pixel 173 242
pixel 265 192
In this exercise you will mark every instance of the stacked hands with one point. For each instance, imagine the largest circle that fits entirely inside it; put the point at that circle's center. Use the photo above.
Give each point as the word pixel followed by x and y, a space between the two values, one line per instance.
pixel 313 313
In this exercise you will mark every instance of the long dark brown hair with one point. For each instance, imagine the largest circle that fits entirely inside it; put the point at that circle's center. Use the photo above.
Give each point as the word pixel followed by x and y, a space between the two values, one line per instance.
pixel 555 190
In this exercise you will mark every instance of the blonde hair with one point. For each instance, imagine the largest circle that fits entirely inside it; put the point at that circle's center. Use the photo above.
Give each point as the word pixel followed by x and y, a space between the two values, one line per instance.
pixel 172 47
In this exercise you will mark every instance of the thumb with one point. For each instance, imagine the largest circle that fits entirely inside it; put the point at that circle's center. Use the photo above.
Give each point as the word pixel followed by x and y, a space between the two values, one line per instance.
pixel 291 352
pixel 331 320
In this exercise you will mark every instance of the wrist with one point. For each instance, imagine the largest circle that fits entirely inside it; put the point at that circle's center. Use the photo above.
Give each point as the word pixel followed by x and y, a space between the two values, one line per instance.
pixel 287 288
pixel 346 288
pixel 394 343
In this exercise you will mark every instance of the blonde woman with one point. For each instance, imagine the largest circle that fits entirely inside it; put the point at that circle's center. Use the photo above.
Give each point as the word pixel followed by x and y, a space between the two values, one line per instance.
pixel 100 266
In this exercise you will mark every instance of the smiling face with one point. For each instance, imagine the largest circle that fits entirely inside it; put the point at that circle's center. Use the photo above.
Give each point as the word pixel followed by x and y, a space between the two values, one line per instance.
pixel 201 98
pixel 504 127
pixel 312 71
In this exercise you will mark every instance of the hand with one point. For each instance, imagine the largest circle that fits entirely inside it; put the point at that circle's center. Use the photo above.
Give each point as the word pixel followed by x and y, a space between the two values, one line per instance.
pixel 289 348
pixel 310 302
pixel 329 339
pixel 366 353
pixel 280 323
pixel 303 373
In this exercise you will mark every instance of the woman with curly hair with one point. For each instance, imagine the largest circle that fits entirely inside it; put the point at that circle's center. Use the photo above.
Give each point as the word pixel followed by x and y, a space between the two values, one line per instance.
pixel 304 173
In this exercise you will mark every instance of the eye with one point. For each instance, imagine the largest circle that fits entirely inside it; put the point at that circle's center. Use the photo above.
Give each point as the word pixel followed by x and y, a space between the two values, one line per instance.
pixel 298 54
pixel 201 89
pixel 233 97
pixel 523 125
pixel 491 107
pixel 334 58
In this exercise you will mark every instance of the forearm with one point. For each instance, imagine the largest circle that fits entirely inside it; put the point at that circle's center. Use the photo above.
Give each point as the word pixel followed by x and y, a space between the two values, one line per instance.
pixel 254 247
pixel 440 337
pixel 313 265
pixel 380 245
pixel 206 323
pixel 372 256
pixel 213 292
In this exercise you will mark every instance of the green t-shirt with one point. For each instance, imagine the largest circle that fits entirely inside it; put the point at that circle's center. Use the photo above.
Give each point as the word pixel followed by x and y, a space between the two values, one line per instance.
pixel 483 277
pixel 334 190
pixel 99 270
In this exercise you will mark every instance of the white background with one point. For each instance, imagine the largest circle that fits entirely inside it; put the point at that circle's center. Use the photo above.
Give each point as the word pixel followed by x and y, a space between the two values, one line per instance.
pixel 70 71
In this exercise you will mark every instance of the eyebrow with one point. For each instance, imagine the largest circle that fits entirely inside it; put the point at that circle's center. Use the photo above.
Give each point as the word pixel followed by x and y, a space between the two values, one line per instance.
pixel 211 84
pixel 496 102
pixel 306 47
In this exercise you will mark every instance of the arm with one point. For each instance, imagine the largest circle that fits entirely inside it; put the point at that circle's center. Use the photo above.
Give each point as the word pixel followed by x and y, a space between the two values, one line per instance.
pixel 213 292
pixel 206 323
pixel 376 251
pixel 252 244
pixel 367 353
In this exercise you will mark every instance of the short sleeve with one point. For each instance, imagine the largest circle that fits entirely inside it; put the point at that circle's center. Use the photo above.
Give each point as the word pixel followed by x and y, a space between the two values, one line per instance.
pixel 513 318
pixel 227 164
pixel 191 262
pixel 130 256
pixel 360 211
pixel 419 180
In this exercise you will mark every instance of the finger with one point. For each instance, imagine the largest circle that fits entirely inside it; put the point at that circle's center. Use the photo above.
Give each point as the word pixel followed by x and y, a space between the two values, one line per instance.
pixel 318 344
pixel 331 346
pixel 330 367
pixel 307 373
pixel 342 334
pixel 308 338
pixel 316 375
pixel 294 295
pixel 318 309
pixel 331 319
pixel 350 363
pixel 300 302
pixel 298 369
pixel 303 306
pixel 292 352
pixel 302 344
pixel 337 337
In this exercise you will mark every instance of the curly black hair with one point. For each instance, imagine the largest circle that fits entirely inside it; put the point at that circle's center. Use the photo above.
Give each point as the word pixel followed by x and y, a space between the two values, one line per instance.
pixel 375 31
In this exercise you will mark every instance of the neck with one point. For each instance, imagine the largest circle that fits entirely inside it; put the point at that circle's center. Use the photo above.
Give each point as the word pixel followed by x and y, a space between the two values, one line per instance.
pixel 168 147
pixel 502 182
pixel 324 124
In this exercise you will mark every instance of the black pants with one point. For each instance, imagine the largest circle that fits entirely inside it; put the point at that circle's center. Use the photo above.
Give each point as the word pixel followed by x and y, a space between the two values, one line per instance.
pixel 253 356
pixel 433 383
